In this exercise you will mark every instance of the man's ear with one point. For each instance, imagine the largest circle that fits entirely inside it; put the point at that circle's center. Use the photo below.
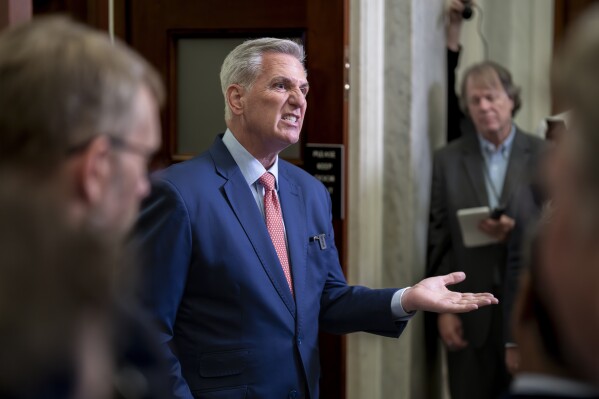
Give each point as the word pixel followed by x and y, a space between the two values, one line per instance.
pixel 94 170
pixel 234 96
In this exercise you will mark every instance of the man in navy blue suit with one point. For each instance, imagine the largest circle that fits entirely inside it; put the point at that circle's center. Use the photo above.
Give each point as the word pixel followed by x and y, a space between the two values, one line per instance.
pixel 242 268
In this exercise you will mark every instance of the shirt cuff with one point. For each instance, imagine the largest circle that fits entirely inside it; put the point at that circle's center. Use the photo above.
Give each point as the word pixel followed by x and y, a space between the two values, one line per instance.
pixel 398 312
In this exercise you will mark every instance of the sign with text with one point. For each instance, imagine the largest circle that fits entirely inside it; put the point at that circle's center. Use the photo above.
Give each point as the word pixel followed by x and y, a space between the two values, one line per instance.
pixel 325 162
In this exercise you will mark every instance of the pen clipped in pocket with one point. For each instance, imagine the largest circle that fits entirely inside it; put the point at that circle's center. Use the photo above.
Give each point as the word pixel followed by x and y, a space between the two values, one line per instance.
pixel 321 238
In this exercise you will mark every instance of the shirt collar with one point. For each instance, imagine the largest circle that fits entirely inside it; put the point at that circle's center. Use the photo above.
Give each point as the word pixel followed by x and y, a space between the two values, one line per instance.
pixel 250 167
pixel 489 148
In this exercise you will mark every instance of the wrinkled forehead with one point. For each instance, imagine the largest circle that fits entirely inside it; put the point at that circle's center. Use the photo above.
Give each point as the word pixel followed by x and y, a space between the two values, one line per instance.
pixel 483 79
pixel 282 64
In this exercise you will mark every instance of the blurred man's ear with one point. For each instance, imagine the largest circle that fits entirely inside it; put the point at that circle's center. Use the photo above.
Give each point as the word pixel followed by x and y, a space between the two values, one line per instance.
pixel 235 98
pixel 93 175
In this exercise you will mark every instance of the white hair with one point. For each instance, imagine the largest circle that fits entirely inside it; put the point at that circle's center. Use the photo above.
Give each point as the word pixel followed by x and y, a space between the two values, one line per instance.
pixel 244 63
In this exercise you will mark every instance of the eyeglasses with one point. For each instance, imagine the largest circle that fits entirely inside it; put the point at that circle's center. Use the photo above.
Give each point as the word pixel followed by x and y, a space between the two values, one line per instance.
pixel 77 148
pixel 116 143
pixel 123 145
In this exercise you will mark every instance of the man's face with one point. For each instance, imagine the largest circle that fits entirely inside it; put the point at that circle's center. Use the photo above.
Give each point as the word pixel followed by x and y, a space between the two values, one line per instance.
pixel 275 105
pixel 131 155
pixel 489 106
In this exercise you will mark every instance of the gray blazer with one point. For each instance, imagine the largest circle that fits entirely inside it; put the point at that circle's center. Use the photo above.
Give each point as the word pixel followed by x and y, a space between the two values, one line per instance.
pixel 459 182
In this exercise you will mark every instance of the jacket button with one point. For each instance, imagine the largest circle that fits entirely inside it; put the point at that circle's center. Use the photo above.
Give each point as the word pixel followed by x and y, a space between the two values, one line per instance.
pixel 293 394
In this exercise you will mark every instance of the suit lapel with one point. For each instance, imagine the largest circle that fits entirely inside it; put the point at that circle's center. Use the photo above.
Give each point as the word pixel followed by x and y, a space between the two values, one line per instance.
pixel 473 164
pixel 242 203
pixel 294 215
pixel 516 167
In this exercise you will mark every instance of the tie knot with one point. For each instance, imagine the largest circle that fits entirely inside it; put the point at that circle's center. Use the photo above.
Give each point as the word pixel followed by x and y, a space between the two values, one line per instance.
pixel 268 181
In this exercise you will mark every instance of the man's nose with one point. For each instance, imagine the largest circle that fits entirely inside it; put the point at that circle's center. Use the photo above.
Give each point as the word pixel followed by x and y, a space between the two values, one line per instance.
pixel 484 104
pixel 296 97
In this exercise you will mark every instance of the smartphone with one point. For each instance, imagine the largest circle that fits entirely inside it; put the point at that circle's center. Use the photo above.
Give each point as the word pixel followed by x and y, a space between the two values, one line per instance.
pixel 497 212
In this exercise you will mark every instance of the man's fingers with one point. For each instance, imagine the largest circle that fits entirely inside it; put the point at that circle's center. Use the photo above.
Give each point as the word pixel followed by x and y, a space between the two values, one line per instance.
pixel 470 302
pixel 491 227
pixel 452 339
pixel 456 6
pixel 485 228
pixel 455 341
pixel 507 221
pixel 480 299
pixel 454 278
pixel 481 296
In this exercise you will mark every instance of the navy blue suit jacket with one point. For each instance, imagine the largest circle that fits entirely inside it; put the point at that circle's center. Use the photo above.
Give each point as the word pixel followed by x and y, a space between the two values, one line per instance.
pixel 213 281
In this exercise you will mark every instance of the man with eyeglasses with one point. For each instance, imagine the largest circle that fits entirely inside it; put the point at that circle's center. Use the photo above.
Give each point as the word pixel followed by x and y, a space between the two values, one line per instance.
pixel 80 114
pixel 483 168
pixel 77 108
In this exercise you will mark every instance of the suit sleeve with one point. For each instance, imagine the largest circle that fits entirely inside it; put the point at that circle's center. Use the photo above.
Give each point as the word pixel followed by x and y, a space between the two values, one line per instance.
pixel 440 257
pixel 528 202
pixel 454 113
pixel 512 278
pixel 164 233
pixel 346 308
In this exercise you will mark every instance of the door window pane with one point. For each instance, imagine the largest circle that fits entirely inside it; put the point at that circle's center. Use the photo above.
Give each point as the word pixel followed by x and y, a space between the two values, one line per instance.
pixel 200 102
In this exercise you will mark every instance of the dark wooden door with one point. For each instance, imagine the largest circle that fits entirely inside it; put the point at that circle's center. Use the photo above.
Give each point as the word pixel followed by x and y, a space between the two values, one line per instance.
pixel 154 27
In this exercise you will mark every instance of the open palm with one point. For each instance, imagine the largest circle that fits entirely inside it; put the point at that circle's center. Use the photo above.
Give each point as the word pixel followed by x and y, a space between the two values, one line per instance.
pixel 432 295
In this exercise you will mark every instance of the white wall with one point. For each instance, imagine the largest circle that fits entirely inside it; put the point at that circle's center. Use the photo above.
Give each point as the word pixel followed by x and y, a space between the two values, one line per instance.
pixel 520 37
pixel 397 112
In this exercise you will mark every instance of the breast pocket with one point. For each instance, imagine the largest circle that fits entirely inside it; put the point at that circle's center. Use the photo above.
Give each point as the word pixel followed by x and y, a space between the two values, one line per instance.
pixel 322 255
pixel 322 241
pixel 223 364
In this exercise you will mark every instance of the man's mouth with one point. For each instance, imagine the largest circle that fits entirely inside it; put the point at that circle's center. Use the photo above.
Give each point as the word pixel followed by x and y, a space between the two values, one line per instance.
pixel 290 117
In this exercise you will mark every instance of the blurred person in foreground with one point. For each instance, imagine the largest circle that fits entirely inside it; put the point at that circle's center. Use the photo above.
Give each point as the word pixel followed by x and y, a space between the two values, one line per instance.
pixel 530 204
pixel 80 114
pixel 539 363
pixel 569 250
pixel 56 294
pixel 543 371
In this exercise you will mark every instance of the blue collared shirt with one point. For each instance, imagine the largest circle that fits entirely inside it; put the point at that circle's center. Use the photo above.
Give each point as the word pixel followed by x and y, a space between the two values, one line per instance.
pixel 251 168
pixel 496 163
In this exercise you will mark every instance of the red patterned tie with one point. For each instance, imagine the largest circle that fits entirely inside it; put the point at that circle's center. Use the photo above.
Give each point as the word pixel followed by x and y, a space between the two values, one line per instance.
pixel 274 223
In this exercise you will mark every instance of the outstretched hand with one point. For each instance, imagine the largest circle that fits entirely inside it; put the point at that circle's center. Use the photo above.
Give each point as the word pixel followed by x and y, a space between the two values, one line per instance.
pixel 499 229
pixel 432 295
pixel 454 11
